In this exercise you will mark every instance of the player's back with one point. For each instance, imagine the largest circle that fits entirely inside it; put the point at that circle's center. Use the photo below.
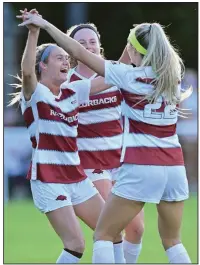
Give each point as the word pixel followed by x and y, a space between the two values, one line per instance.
pixel 149 129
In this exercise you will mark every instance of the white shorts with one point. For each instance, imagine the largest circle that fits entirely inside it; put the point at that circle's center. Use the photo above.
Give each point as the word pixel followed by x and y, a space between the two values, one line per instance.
pixel 51 196
pixel 98 174
pixel 152 183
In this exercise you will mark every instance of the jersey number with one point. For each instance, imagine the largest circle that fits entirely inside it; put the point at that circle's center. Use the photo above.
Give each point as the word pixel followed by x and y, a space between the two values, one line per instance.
pixel 169 112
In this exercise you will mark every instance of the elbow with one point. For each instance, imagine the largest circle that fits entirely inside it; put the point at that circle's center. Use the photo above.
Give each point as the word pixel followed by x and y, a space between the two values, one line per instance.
pixel 26 74
pixel 27 71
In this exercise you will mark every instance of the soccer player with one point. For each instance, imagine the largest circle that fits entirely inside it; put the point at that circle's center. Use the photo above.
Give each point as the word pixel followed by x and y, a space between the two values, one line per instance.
pixel 153 169
pixel 60 188
pixel 100 134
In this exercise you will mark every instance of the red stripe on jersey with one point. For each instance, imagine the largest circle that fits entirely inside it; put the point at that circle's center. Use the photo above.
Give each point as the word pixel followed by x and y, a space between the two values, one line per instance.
pixel 57 143
pixel 60 173
pixel 74 77
pixel 66 93
pixel 133 100
pixel 28 116
pixel 157 131
pixel 102 129
pixel 34 142
pixel 102 101
pixel 154 156
pixel 146 80
pixel 28 176
pixel 106 159
pixel 47 112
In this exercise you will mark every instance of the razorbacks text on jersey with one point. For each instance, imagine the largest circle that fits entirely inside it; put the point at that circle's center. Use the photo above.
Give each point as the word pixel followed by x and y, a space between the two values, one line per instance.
pixel 52 125
pixel 99 128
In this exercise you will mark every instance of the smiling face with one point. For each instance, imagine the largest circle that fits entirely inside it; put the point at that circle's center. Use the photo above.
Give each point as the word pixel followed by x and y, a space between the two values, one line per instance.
pixel 57 67
pixel 89 39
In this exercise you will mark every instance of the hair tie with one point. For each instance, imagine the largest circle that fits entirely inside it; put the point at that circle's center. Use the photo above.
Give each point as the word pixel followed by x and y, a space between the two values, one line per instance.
pixel 46 53
pixel 133 40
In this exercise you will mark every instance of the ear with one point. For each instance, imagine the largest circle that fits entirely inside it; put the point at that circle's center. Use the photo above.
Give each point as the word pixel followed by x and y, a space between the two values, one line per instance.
pixel 43 66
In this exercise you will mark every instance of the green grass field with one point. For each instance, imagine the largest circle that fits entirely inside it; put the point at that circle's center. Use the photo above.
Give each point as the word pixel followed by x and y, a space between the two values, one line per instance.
pixel 28 237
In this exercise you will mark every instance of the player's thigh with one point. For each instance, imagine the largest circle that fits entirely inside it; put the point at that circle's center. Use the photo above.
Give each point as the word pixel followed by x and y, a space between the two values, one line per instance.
pixel 103 186
pixel 116 214
pixel 170 218
pixel 89 210
pixel 66 225
pixel 87 202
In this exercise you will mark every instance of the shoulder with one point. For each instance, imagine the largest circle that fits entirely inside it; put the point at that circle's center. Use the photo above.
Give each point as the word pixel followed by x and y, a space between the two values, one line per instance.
pixel 117 64
pixel 40 92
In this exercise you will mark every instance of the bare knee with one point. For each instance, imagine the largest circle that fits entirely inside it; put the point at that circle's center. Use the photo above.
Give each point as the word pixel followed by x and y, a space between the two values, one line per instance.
pixel 135 229
pixel 134 234
pixel 75 244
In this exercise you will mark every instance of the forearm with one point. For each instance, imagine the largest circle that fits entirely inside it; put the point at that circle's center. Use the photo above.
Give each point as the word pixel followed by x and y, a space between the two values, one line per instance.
pixel 98 85
pixel 68 44
pixel 29 56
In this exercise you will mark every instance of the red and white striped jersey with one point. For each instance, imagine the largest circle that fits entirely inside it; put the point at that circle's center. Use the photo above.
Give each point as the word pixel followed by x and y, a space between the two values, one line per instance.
pixel 99 129
pixel 149 129
pixel 52 123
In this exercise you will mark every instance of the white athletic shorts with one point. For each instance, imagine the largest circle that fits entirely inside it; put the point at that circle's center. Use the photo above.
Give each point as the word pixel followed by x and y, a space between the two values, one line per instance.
pixel 51 196
pixel 97 174
pixel 151 183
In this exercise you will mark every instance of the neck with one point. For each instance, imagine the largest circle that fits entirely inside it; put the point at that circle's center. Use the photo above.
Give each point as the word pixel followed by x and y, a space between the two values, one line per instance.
pixel 55 89
pixel 84 70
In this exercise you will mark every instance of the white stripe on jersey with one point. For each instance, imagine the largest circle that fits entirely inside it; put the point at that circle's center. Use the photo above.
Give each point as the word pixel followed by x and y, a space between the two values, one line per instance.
pixel 57 158
pixel 51 127
pixel 112 89
pixel 32 129
pixel 100 143
pixel 102 115
pixel 137 140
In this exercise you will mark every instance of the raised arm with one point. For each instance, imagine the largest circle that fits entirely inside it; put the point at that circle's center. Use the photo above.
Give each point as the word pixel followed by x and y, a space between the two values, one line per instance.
pixel 29 79
pixel 68 44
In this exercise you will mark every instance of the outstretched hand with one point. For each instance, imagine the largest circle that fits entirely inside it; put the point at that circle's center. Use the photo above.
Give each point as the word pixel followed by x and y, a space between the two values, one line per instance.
pixel 32 19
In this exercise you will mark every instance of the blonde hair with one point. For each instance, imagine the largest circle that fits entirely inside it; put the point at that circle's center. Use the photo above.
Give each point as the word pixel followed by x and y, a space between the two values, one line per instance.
pixel 39 51
pixel 165 62
pixel 72 31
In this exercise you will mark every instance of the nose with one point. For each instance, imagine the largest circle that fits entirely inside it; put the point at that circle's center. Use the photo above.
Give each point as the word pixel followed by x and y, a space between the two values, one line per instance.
pixel 88 46
pixel 66 62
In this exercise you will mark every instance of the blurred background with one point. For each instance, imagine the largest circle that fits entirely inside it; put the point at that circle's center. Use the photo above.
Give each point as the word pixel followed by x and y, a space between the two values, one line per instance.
pixel 26 231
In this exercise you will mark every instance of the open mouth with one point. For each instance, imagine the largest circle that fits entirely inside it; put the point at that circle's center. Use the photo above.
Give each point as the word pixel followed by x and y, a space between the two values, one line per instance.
pixel 64 71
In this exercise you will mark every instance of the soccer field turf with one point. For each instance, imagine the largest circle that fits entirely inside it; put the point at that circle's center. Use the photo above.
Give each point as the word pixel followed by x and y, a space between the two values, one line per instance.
pixel 29 238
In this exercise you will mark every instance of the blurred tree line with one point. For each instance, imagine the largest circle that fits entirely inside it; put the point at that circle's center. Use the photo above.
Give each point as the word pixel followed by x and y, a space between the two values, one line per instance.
pixel 114 20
